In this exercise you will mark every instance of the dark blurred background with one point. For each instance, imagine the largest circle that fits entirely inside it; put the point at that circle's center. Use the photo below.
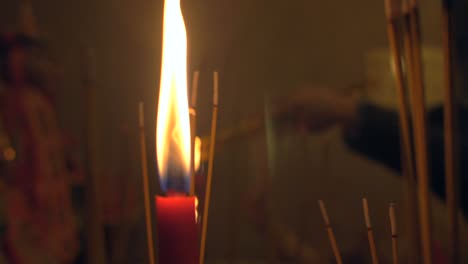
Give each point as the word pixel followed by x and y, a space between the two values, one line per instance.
pixel 259 48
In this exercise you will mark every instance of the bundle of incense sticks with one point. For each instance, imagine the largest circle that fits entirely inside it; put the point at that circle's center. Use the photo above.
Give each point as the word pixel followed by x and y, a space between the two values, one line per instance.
pixel 393 13
pixel 370 232
pixel 404 34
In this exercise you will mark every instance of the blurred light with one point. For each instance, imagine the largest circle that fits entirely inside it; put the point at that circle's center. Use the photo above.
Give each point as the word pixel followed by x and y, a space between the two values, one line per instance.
pixel 173 126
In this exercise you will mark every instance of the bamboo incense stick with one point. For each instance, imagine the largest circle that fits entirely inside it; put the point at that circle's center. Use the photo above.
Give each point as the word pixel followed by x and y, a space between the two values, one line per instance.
pixel 370 232
pixel 393 13
pixel 194 92
pixel 450 137
pixel 146 192
pixel 214 119
pixel 193 127
pixel 413 52
pixel 331 235
pixel 393 226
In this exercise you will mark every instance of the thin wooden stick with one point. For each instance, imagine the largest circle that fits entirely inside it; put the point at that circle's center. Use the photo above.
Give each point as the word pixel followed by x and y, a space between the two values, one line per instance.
pixel 331 235
pixel 214 119
pixel 450 137
pixel 413 52
pixel 193 127
pixel 194 92
pixel 370 232
pixel 146 192
pixel 393 225
pixel 393 13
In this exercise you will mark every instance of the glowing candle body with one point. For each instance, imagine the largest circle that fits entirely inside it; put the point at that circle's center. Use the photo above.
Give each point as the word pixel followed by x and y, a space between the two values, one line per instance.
pixel 177 230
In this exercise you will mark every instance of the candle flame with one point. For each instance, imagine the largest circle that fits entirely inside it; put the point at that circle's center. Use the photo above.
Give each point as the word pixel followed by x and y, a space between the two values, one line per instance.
pixel 173 125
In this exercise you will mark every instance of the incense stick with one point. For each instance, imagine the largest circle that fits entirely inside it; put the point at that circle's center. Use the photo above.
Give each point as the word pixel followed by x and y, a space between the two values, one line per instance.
pixel 370 232
pixel 194 92
pixel 393 225
pixel 413 52
pixel 193 127
pixel 210 167
pixel 146 192
pixel 331 235
pixel 450 138
pixel 393 13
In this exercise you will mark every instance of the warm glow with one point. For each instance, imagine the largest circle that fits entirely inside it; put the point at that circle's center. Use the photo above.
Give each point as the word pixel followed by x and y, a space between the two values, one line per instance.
pixel 197 153
pixel 173 125
pixel 196 209
pixel 9 154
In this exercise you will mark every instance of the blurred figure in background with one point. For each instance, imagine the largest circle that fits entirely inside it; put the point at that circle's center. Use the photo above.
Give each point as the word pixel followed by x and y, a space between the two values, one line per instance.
pixel 38 220
pixel 374 131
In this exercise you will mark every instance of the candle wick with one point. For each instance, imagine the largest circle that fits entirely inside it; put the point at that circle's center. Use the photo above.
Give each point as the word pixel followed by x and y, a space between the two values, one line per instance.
pixel 172 193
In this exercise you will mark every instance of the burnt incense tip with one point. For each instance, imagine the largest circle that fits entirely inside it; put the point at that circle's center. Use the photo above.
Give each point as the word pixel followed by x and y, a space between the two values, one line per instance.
pixel 323 210
pixel 365 206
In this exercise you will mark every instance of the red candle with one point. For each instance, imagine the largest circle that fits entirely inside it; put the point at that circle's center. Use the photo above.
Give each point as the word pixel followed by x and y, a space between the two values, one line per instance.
pixel 177 229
